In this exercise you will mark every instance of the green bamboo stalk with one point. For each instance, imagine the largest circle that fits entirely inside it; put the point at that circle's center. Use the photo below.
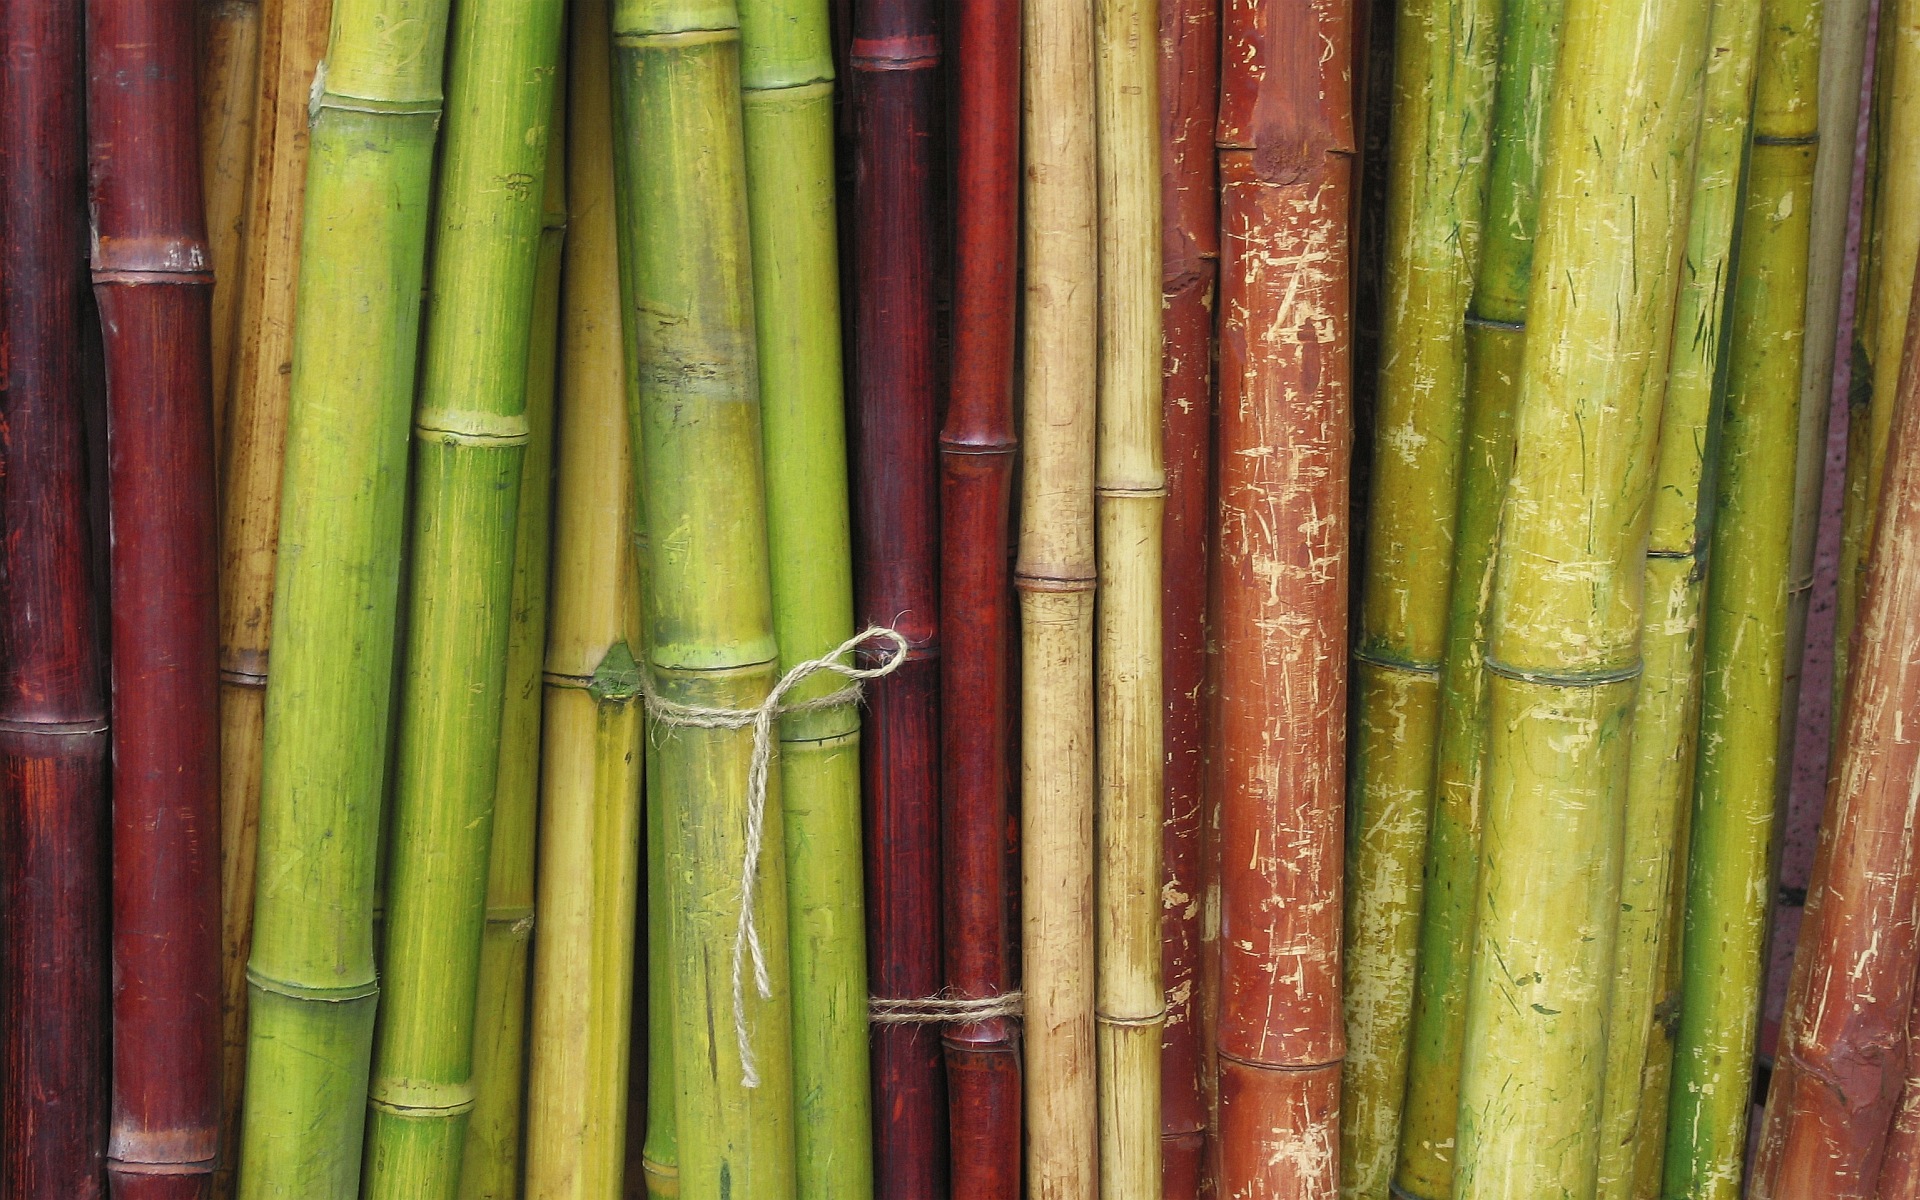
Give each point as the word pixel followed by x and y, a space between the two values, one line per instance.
pixel 1563 648
pixel 1494 335
pixel 311 975
pixel 1730 857
pixel 490 1166
pixel 682 169
pixel 787 72
pixel 1446 58
pixel 1666 711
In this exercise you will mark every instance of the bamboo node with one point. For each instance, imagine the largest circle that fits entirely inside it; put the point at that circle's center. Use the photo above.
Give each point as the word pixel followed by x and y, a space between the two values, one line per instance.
pixel 945 1008
pixel 760 719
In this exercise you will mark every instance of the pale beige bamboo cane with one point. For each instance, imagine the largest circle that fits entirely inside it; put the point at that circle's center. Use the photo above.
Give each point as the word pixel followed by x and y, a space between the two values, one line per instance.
pixel 1055 577
pixel 229 71
pixel 293 37
pixel 1131 495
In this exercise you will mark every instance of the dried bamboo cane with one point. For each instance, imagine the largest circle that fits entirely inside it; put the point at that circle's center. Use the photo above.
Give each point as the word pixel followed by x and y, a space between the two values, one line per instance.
pixel 1055 577
pixel 293 37
pixel 1189 270
pixel 230 61
pixel 1279 592
pixel 490 1163
pixel 1495 336
pixel 53 703
pixel 1666 711
pixel 1563 647
pixel 1841 1067
pixel 1900 1168
pixel 152 282
pixel 977 452
pixel 588 877
pixel 311 974
pixel 1444 75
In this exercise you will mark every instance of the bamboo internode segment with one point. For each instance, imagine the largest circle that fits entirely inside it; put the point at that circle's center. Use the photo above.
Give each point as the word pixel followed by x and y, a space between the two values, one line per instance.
pixel 1843 1063
pixel 230 59
pixel 311 975
pixel 1444 74
pixel 1563 651
pixel 152 281
pixel 53 707
pixel 293 37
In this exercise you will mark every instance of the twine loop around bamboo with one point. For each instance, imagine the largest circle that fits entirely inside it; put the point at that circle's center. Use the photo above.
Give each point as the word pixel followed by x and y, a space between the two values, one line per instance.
pixel 945 1009
pixel 760 719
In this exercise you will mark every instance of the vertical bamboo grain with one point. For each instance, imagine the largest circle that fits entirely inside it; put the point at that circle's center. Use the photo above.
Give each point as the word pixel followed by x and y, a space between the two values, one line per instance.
pixel 230 61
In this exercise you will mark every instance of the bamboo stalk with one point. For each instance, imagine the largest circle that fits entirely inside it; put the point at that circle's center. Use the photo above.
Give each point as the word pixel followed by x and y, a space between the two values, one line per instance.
pixel 787 74
pixel 470 439
pixel 710 640
pixel 1444 96
pixel 1841 1066
pixel 1189 272
pixel 1900 1168
pixel 894 93
pixel 53 706
pixel 1563 648
pixel 588 875
pixel 1055 578
pixel 1280 588
pixel 230 60
pixel 1645 994
pixel 152 281
pixel 1495 340
pixel 1730 856
pixel 977 453
pixel 293 39
pixel 311 974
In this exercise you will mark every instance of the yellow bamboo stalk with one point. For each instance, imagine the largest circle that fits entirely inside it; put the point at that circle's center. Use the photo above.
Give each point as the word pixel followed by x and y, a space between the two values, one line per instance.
pixel 229 71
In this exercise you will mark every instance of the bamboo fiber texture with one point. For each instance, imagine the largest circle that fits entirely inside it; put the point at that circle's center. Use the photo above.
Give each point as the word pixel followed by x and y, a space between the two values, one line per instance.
pixel 152 281
pixel 1286 143
pixel 229 60
pixel 53 706
pixel 588 876
pixel 1446 53
pixel 979 860
pixel 1841 1067
pixel 311 974
pixel 1563 651
pixel 293 38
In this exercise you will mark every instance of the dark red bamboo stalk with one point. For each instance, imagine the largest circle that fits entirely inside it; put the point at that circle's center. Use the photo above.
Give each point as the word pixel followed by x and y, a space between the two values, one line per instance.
pixel 895 93
pixel 1190 262
pixel 1286 140
pixel 53 713
pixel 1843 1061
pixel 154 283
pixel 977 447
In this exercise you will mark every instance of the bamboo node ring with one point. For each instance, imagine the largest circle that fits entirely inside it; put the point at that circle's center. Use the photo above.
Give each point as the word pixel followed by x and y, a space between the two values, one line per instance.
pixel 760 719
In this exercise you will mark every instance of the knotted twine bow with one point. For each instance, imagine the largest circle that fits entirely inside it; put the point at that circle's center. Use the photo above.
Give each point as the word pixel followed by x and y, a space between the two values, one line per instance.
pixel 746 937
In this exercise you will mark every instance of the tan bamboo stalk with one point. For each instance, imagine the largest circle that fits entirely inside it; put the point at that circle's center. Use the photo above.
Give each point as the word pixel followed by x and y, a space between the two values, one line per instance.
pixel 1446 54
pixel 1563 656
pixel 1055 576
pixel 587 879
pixel 293 37
pixel 230 60
pixel 1130 499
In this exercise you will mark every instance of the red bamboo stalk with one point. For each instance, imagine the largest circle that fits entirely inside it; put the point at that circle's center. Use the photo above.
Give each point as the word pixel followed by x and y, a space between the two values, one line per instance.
pixel 153 281
pixel 896 521
pixel 1843 1063
pixel 1900 1170
pixel 977 448
pixel 1190 263
pixel 53 713
pixel 1280 587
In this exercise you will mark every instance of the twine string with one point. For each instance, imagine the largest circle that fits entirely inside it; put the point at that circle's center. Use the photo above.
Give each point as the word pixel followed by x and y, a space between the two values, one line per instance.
pixel 944 1009
pixel 760 718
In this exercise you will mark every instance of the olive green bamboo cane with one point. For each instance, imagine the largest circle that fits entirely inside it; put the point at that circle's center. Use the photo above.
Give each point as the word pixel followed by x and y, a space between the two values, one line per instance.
pixel 490 1165
pixel 588 875
pixel 787 72
pixel 230 61
pixel 1494 338
pixel 709 605
pixel 1130 496
pixel 1446 55
pixel 1563 647
pixel 311 974
pixel 1730 856
pixel 1666 711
